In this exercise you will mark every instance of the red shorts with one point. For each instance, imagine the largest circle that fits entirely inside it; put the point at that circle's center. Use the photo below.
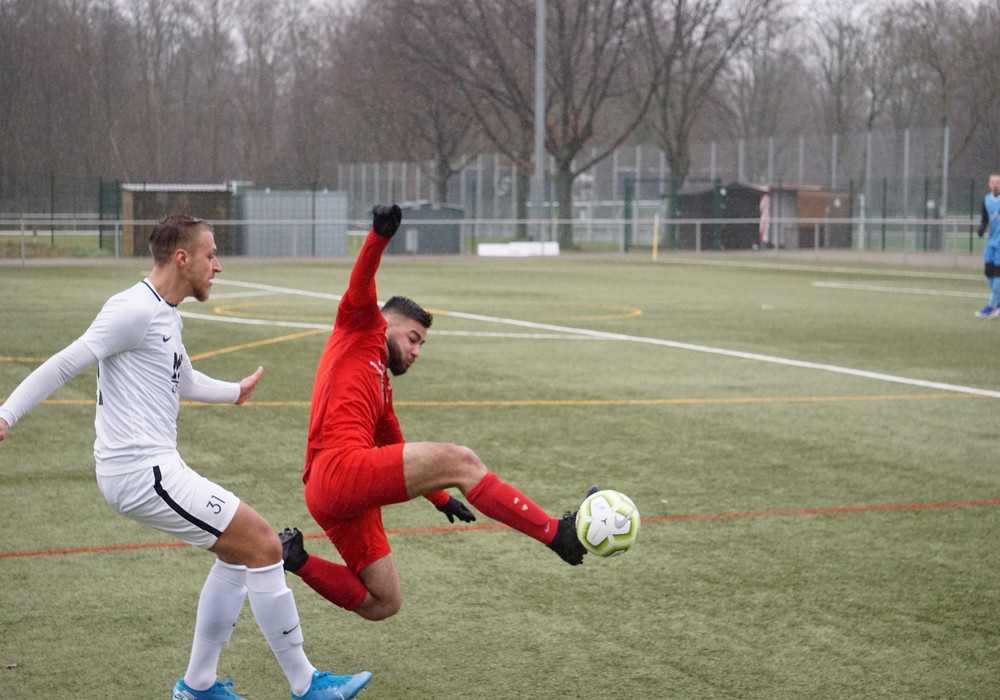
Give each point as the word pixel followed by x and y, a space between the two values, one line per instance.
pixel 345 494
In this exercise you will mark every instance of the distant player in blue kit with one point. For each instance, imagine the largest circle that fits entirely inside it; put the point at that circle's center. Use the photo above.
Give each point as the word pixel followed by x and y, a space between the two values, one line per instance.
pixel 990 221
pixel 143 372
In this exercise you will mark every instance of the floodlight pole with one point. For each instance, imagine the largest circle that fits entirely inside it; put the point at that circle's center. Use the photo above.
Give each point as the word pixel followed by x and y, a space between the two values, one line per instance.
pixel 538 175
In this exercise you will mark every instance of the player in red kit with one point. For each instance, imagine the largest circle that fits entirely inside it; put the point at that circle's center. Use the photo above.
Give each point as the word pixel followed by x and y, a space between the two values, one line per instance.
pixel 357 460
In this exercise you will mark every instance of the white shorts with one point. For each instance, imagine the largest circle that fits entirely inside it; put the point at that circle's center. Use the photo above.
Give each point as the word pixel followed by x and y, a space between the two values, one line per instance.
pixel 173 498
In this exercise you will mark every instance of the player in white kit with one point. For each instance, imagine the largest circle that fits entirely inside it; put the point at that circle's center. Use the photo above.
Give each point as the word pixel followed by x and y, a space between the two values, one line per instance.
pixel 143 372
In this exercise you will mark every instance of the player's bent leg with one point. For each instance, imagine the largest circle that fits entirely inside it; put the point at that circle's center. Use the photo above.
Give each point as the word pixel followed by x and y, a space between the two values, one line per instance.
pixel 385 594
pixel 335 582
pixel 248 540
pixel 431 466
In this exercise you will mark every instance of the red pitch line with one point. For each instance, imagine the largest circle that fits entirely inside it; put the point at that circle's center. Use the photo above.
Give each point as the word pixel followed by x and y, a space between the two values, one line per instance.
pixel 825 511
pixel 91 550
pixel 497 526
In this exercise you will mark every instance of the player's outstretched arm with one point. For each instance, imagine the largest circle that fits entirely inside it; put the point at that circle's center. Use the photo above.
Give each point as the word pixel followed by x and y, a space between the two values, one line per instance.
pixel 361 288
pixel 45 379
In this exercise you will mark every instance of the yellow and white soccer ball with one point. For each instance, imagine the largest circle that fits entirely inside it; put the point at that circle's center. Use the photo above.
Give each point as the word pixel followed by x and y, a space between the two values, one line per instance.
pixel 607 523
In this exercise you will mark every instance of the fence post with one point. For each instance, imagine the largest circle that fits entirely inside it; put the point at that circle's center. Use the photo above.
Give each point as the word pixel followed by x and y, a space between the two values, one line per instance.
pixel 627 214
pixel 656 235
pixel 885 197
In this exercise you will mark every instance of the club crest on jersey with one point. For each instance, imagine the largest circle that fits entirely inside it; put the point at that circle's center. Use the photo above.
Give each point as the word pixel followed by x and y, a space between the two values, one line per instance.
pixel 175 379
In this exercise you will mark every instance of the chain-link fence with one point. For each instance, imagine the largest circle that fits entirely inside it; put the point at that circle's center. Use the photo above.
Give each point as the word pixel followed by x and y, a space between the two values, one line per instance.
pixel 884 174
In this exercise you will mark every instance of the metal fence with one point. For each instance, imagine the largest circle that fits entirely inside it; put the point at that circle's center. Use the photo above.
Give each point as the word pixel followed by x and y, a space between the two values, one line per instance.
pixel 887 174
pixel 67 236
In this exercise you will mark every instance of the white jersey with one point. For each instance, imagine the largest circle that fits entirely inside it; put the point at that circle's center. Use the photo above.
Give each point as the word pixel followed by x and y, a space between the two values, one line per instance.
pixel 136 338
pixel 143 372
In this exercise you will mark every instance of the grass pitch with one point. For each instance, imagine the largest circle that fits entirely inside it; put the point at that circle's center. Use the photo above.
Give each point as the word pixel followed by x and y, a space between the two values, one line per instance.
pixel 812 447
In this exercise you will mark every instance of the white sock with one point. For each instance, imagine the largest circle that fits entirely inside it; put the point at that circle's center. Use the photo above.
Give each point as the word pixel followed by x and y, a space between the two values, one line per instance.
pixel 218 609
pixel 274 608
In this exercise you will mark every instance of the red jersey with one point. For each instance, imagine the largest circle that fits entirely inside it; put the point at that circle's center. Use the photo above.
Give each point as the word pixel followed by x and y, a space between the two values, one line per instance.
pixel 352 395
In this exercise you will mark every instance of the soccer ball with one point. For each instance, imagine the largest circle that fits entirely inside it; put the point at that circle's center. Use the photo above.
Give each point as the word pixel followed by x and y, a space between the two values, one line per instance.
pixel 607 523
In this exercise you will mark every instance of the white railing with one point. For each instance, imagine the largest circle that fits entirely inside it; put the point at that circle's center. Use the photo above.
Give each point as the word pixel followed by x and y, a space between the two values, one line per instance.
pixel 292 237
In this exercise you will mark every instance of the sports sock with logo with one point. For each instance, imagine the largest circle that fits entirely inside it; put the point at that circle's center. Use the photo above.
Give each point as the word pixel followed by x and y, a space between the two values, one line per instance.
pixel 499 500
pixel 273 606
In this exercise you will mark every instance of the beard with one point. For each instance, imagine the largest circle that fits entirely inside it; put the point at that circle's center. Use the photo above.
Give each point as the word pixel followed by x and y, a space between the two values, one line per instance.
pixel 397 362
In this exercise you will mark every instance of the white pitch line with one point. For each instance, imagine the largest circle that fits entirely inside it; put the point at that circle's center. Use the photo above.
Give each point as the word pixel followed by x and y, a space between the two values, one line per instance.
pixel 255 321
pixel 526 336
pixel 897 290
pixel 941 386
pixel 266 290
pixel 243 295
pixel 327 326
pixel 280 290
pixel 833 269
pixel 602 335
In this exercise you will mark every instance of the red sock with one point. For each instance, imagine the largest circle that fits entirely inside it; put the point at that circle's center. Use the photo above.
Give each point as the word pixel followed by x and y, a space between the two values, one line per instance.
pixel 335 582
pixel 501 501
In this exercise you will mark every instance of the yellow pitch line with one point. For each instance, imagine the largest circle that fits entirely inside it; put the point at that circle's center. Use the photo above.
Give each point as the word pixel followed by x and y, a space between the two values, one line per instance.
pixel 202 356
pixel 259 343
pixel 599 402
pixel 685 402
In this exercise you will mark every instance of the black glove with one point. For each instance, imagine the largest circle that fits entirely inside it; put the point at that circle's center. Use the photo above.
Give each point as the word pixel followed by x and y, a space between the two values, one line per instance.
pixel 454 508
pixel 385 219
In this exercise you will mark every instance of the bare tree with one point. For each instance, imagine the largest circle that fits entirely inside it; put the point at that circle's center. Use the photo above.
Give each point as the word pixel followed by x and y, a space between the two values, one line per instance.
pixel 588 42
pixel 955 49
pixel 978 105
pixel 109 77
pixel 407 111
pixel 155 27
pixel 484 49
pixel 764 91
pixel 839 42
pixel 592 45
pixel 49 109
pixel 689 43
pixel 315 118
pixel 214 53
pixel 262 31
pixel 262 89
